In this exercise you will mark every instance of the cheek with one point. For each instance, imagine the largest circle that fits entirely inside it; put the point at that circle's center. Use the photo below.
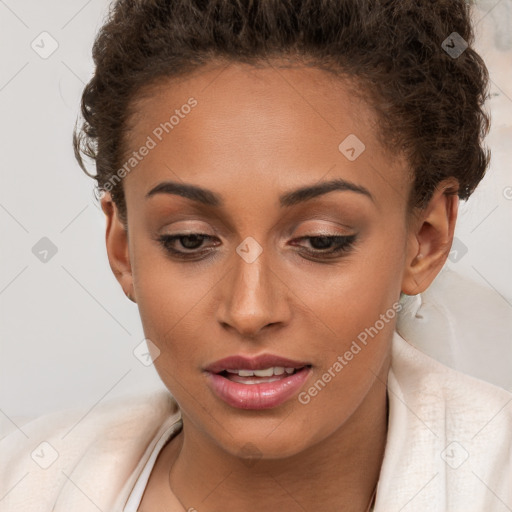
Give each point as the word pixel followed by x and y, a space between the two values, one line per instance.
pixel 171 303
pixel 366 285
pixel 354 315
pixel 182 345
pixel 353 322
pixel 169 294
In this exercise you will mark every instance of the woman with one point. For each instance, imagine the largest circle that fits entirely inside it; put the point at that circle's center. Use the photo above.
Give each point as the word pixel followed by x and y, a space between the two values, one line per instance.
pixel 275 177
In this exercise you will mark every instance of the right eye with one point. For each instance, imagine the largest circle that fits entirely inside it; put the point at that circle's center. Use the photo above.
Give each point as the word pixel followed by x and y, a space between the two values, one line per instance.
pixel 189 241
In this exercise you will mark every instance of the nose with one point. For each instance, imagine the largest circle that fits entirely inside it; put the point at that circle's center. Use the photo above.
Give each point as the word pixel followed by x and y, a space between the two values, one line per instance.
pixel 254 298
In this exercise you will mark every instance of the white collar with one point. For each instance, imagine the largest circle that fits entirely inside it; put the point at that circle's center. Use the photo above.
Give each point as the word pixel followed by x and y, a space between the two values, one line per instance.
pixel 449 439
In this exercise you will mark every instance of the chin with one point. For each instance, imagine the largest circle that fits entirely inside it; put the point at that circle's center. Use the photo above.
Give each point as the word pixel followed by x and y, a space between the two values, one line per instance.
pixel 252 440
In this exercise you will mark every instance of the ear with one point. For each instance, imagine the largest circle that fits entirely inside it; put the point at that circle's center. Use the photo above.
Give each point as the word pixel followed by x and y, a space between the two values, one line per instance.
pixel 116 238
pixel 430 238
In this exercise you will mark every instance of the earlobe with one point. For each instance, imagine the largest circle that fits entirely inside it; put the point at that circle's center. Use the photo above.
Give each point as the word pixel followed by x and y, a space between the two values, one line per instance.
pixel 116 238
pixel 431 238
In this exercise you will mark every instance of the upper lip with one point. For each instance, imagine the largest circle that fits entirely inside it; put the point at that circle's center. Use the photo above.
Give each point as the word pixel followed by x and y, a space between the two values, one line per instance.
pixel 253 363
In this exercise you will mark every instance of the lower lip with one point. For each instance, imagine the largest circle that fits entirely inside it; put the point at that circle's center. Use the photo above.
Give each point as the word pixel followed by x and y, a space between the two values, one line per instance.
pixel 257 396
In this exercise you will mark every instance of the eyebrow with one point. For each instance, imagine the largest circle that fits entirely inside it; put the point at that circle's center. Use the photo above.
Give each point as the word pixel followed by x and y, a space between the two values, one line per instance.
pixel 291 198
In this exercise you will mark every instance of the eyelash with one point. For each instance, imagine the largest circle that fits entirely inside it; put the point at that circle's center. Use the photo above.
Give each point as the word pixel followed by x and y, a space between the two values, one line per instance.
pixel 344 245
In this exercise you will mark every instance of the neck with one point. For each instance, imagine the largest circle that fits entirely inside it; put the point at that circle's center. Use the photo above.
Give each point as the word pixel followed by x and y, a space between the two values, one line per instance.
pixel 339 473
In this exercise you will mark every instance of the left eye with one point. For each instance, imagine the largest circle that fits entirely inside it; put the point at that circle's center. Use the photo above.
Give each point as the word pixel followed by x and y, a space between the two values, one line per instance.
pixel 322 246
pixel 329 245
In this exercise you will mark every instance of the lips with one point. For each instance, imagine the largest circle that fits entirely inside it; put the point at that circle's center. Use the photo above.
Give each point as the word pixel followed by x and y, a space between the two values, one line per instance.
pixel 261 382
pixel 254 363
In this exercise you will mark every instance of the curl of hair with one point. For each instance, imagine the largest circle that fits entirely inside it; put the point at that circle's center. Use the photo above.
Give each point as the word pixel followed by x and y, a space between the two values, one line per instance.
pixel 430 106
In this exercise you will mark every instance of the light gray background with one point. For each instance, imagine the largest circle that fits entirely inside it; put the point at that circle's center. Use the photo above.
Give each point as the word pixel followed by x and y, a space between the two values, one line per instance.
pixel 67 330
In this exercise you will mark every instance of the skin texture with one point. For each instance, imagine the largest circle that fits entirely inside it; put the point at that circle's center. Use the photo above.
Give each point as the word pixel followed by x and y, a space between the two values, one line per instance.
pixel 254 135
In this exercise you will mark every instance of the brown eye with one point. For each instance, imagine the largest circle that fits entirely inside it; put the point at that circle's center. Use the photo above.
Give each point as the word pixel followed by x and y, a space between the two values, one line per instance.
pixel 188 241
pixel 191 241
pixel 329 245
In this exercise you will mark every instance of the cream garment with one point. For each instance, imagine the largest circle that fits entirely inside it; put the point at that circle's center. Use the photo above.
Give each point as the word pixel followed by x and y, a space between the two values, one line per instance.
pixel 449 447
pixel 169 430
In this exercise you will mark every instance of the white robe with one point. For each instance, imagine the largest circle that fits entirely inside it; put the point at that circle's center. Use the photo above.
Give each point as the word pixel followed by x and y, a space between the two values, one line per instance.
pixel 448 447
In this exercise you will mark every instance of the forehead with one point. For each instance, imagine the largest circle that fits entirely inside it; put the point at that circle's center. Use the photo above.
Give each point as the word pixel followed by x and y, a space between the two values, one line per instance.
pixel 284 126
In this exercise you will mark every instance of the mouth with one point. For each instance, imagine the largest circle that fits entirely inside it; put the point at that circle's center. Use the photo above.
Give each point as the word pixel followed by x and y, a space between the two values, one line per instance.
pixel 259 383
pixel 251 377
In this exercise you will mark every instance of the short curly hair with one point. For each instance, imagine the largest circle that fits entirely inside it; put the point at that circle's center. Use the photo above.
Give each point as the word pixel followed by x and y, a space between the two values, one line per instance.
pixel 429 103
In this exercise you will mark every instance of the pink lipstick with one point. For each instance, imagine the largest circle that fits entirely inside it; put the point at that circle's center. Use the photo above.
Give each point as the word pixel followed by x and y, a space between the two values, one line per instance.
pixel 259 382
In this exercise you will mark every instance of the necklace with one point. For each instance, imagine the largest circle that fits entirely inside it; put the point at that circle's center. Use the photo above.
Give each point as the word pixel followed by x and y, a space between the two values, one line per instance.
pixel 372 499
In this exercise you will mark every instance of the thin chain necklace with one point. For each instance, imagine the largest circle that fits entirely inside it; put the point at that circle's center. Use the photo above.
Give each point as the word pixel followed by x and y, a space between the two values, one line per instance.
pixel 372 499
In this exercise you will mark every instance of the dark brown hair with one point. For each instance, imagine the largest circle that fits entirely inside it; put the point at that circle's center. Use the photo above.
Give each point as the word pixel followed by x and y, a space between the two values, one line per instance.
pixel 430 104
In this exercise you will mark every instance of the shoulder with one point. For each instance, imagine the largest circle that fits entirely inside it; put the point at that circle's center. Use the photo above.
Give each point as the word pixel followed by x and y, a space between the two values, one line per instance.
pixel 43 457
pixel 448 429
pixel 457 397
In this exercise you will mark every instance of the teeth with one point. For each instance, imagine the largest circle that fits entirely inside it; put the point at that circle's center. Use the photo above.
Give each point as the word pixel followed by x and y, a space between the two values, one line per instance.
pixel 267 372
pixel 264 373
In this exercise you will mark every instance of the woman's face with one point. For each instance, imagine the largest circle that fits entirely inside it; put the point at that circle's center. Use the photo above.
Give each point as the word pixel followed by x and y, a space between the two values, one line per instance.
pixel 255 285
